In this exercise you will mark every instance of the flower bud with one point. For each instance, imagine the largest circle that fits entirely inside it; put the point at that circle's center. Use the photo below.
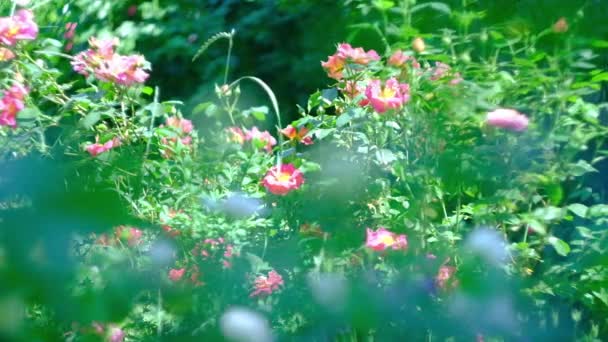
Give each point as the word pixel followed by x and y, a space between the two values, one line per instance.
pixel 418 45
pixel 560 26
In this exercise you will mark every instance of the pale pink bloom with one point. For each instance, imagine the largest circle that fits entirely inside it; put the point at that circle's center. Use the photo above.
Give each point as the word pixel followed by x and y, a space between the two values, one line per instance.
pixel 392 96
pixel 283 180
pixel 176 274
pixel 117 335
pixel 21 26
pixel 356 55
pixel 444 275
pixel 99 52
pixel 457 79
pixel 441 69
pixel 220 239
pixel 6 54
pixel 292 133
pixel 98 328
pixel 204 253
pixel 97 148
pixel 398 58
pixel 211 242
pixel 124 70
pixel 260 139
pixel 108 66
pixel 347 54
pixel 181 124
pixel 70 30
pixel 226 264
pixel 508 119
pixel 11 104
pixel 235 134
pixel 383 239
pixel 229 251
pixel 266 285
pixel 334 66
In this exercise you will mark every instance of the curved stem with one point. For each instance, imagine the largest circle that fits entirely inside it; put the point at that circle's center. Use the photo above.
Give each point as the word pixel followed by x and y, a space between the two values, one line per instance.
pixel 275 107
pixel 228 56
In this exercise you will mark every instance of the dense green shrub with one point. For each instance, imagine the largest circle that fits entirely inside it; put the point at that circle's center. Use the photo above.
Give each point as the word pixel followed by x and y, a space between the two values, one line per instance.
pixel 444 183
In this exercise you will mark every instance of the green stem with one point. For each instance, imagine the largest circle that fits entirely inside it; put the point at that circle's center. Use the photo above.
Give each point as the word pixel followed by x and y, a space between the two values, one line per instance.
pixel 228 57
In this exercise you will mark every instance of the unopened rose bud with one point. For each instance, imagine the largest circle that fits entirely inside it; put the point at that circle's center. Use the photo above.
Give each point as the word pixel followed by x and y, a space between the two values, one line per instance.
pixel 560 26
pixel 418 45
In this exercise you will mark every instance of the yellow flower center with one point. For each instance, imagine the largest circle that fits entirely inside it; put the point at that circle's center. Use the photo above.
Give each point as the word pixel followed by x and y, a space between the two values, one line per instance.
pixel 387 240
pixel 13 30
pixel 387 93
pixel 284 177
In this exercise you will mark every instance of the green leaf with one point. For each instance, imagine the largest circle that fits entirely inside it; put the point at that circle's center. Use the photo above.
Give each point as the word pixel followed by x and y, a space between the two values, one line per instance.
pixel 385 156
pixel 201 107
pixel 28 114
pixel 549 213
pixel 147 90
pixel 257 264
pixel 259 113
pixel 581 168
pixel 600 77
pixel 90 119
pixel 437 6
pixel 323 132
pixel 599 210
pixel 578 209
pixel 602 44
pixel 344 118
pixel 560 246
pixel 329 94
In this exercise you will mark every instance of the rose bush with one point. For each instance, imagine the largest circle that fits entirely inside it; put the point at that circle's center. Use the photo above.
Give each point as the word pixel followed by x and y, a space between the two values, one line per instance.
pixel 441 188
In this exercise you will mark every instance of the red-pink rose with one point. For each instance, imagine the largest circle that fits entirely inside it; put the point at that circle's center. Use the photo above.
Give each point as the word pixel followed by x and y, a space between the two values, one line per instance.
pixel 266 285
pixel 280 181
pixel 383 239
pixel 176 274
pixel 392 96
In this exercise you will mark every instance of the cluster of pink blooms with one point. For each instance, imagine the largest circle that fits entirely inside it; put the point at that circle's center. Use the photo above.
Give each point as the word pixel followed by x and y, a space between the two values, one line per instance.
pixel 70 32
pixel 101 60
pixel 183 128
pixel 20 26
pixel 11 104
pixel 345 54
pixel 508 119
pixel 280 180
pixel 266 285
pixel 131 235
pixel 383 239
pixel 112 332
pixel 208 249
pixel 295 134
pixel 98 148
pixel 442 70
pixel 259 139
